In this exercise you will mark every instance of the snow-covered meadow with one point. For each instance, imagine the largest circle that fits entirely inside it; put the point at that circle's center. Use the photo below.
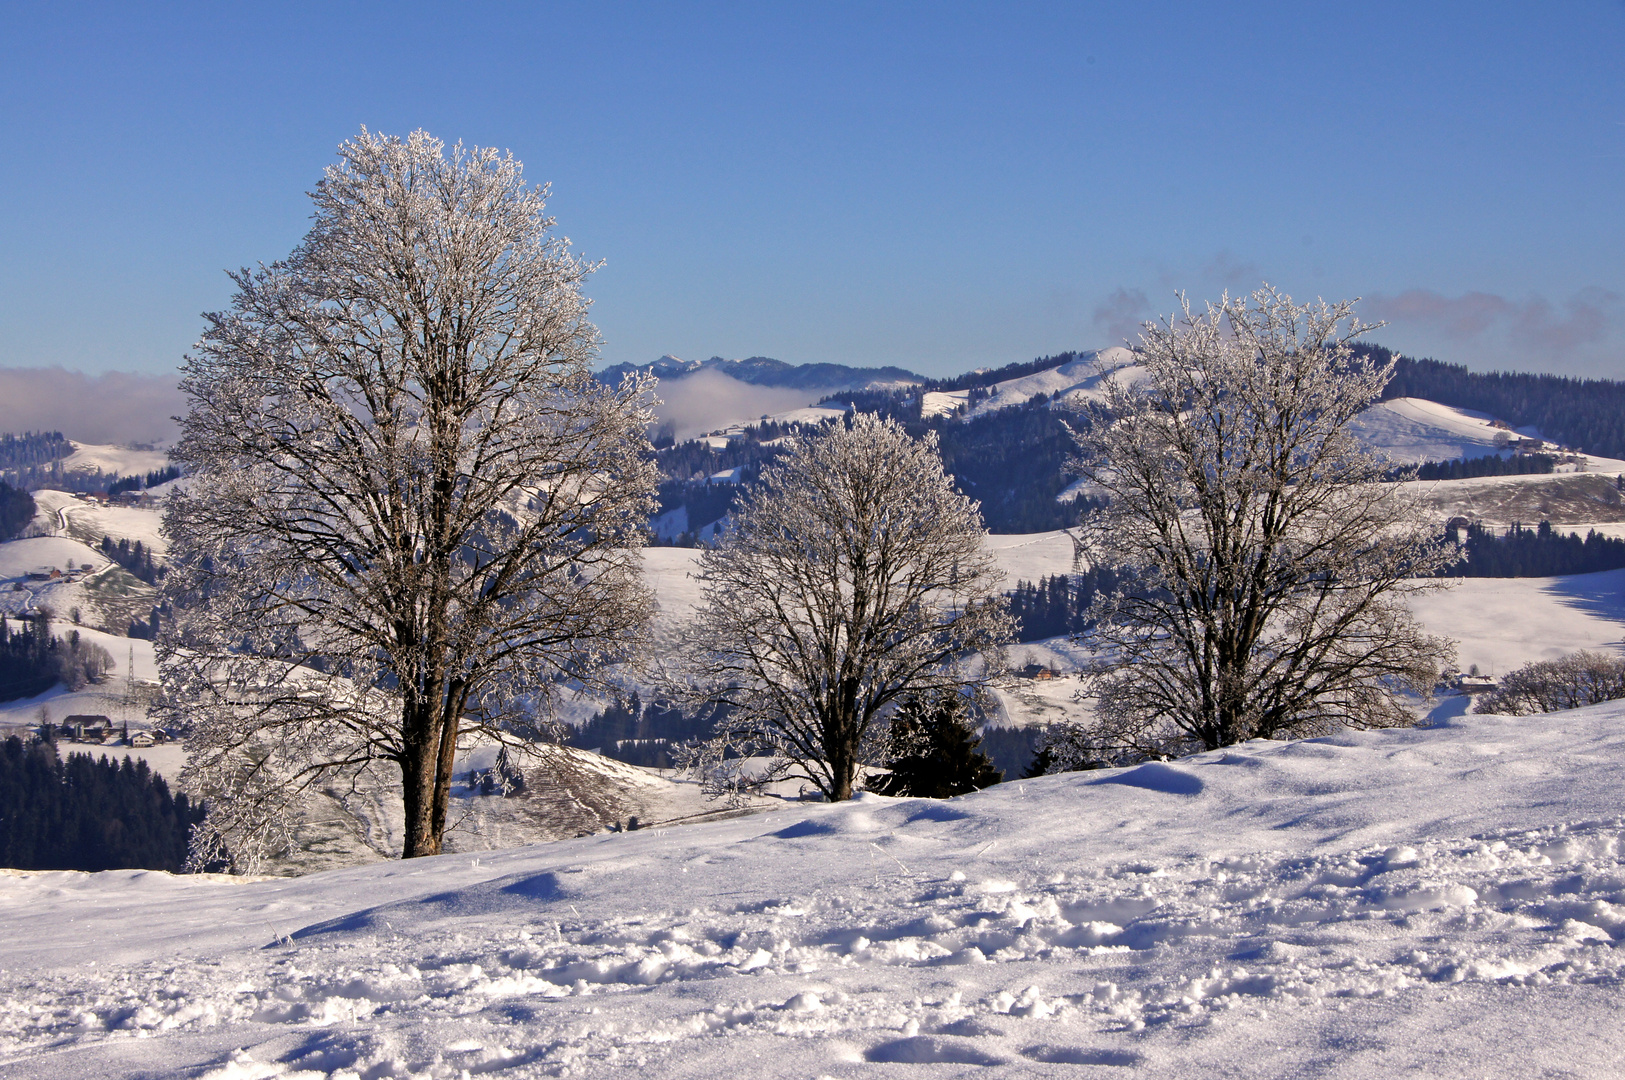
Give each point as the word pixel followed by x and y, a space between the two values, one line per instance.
pixel 1446 901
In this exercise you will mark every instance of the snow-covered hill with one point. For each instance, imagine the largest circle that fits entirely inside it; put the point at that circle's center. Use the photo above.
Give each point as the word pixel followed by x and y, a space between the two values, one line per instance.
pixel 122 460
pixel 1075 381
pixel 1413 430
pixel 1446 902
pixel 67 532
pixel 66 514
pixel 1501 623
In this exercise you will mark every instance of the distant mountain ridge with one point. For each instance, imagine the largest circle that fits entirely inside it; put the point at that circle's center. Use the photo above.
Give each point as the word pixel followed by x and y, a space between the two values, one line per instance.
pixel 766 371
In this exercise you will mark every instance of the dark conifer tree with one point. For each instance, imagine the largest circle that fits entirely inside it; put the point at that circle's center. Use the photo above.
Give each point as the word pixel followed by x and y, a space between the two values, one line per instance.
pixel 935 752
pixel 1043 762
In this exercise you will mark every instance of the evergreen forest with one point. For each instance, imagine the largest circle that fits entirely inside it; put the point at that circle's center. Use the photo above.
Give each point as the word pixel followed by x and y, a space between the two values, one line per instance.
pixel 32 659
pixel 19 453
pixel 136 558
pixel 16 511
pixel 88 814
pixel 148 480
pixel 640 734
pixel 1490 465
pixel 1538 552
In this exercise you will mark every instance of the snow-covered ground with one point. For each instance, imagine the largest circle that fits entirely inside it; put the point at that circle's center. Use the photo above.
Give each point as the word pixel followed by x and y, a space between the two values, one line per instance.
pixel 1499 623
pixel 811 414
pixel 1413 430
pixel 670 570
pixel 62 513
pixel 41 554
pixel 1076 381
pixel 1504 623
pixel 121 460
pixel 1446 902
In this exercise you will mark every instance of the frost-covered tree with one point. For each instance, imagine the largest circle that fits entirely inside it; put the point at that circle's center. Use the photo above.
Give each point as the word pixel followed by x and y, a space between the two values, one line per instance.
pixel 410 508
pixel 853 576
pixel 1264 561
pixel 1569 682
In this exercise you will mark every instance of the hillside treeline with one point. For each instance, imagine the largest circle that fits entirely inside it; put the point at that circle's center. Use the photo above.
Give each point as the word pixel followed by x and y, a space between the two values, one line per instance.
pixel 981 379
pixel 32 659
pixel 1058 604
pixel 146 480
pixel 1492 465
pixel 32 448
pixel 1538 552
pixel 87 814
pixel 135 557
pixel 1014 462
pixel 640 734
pixel 1587 414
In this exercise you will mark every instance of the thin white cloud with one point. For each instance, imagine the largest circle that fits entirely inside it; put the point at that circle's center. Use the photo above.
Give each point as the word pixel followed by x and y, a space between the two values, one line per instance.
pixel 113 407
pixel 708 399
pixel 1534 324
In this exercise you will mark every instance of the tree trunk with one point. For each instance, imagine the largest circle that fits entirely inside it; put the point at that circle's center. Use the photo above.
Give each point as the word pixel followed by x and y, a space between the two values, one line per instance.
pixel 840 768
pixel 445 758
pixel 840 741
pixel 420 782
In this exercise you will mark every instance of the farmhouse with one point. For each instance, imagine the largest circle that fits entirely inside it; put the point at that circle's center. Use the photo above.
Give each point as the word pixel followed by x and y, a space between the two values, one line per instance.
pixel 86 727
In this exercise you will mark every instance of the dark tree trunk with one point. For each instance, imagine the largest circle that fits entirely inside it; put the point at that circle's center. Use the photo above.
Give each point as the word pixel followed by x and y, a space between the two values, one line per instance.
pixel 423 790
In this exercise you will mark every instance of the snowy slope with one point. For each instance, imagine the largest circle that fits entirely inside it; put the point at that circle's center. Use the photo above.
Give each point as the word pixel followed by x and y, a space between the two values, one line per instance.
pixel 1413 430
pixel 1077 381
pixel 1501 623
pixel 1504 623
pixel 1498 623
pixel 1445 902
pixel 123 460
pixel 812 414
pixel 66 514
pixel 1568 500
pixel 19 558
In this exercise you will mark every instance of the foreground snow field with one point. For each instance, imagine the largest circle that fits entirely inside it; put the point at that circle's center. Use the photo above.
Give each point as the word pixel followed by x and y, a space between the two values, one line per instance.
pixel 1442 902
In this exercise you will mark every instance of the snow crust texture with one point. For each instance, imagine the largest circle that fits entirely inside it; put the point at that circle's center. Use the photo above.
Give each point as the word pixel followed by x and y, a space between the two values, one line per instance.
pixel 1355 906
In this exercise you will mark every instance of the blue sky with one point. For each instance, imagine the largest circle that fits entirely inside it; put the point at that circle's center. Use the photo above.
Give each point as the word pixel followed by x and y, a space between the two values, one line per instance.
pixel 935 186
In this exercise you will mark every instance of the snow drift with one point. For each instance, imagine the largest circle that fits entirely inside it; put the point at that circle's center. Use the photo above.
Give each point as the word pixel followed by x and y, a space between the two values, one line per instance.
pixel 1446 901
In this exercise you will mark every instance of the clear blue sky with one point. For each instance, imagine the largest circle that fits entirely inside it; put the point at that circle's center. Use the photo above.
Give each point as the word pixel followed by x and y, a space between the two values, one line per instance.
pixel 935 186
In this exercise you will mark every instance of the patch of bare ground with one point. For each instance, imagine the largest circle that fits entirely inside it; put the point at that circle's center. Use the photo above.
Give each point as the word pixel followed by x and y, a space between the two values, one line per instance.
pixel 1562 499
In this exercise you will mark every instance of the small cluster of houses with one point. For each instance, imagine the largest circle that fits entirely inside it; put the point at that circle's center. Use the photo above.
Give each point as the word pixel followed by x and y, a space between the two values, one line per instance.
pixel 56 573
pixel 100 730
pixel 123 498
pixel 1470 682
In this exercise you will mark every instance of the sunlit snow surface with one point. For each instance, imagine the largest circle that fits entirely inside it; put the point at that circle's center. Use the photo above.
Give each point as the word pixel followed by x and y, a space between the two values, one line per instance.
pixel 114 460
pixel 1438 902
